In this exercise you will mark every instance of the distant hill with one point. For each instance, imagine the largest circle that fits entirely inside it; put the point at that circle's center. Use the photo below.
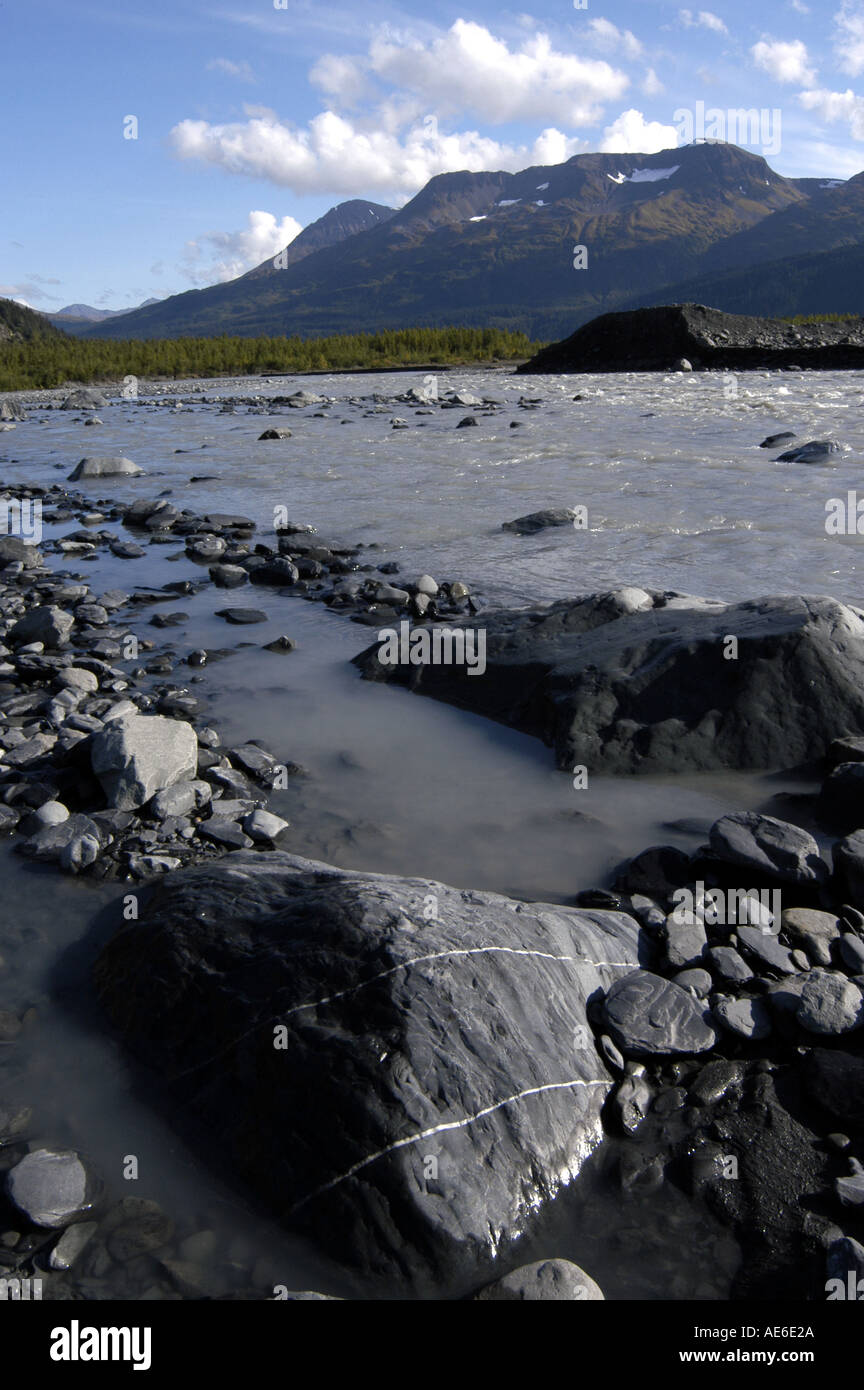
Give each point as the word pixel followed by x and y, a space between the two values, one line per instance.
pixel 76 318
pixel 20 325
pixel 497 249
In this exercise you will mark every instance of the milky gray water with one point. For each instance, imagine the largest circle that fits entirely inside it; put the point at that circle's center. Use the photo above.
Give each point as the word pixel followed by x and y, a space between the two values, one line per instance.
pixel 679 496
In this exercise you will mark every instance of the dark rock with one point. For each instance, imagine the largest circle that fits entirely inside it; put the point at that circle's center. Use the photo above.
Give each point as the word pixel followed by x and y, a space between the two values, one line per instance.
pixel 768 847
pixel 242 616
pixel 646 1014
pixel 627 682
pixel 473 1056
pixel 775 439
pixel 652 340
pixel 540 521
pixel 816 451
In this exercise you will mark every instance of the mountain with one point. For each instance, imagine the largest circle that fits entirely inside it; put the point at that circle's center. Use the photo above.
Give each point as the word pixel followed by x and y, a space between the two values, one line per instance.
pixel 497 249
pixel 347 219
pixel 19 324
pixel 75 318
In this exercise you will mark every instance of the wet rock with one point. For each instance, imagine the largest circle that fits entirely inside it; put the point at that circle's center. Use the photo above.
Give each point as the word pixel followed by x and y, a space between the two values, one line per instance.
pixel 545 1281
pixel 228 576
pixel 540 521
pixel 774 439
pixel 275 434
pixel 714 1080
pixel 631 1101
pixel 850 1190
pixel 402 1057
pixel 205 547
pixel 49 844
pixel 814 451
pixel 144 1229
pixel 697 981
pixel 104 468
pixel 136 756
pixel 242 616
pixel 127 550
pixel 646 1014
pixel 71 1244
pixel 830 1003
pixel 53 1187
pixel 281 644
pixel 624 691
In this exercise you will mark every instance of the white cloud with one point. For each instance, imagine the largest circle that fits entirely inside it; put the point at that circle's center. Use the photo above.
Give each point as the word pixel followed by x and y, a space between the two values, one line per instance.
pixel 785 62
pixel 704 19
pixel 241 70
pixel 467 69
pixel 28 289
pixel 849 43
pixel 216 256
pixel 837 106
pixel 608 38
pixel 651 86
pixel 632 134
pixel 340 78
pixel 799 6
pixel 335 156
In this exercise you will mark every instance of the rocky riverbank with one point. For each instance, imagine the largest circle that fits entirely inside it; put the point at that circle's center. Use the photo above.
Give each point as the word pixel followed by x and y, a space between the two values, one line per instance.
pixel 424 1070
pixel 691 337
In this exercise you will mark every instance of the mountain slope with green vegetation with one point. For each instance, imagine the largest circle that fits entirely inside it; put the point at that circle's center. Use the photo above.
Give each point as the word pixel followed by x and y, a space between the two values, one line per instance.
pixel 18 324
pixel 498 248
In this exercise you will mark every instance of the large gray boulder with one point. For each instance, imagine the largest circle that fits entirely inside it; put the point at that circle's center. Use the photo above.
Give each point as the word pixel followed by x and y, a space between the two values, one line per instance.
pixel 401 1070
pixel 104 468
pixel 661 688
pixel 84 399
pixel 138 755
pixel 53 1187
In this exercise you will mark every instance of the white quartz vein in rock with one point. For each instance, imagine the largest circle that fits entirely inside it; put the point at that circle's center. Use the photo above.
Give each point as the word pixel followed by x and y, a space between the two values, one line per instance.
pixel 442 1128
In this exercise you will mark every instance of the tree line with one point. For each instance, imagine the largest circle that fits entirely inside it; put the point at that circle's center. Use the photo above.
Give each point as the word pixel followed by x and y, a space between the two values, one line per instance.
pixel 46 362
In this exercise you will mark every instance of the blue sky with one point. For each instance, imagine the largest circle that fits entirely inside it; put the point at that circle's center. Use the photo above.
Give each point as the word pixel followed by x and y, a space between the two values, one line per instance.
pixel 255 116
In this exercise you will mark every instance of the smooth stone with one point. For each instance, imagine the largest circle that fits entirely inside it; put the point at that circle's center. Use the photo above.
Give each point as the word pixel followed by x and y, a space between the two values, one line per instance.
pixel 698 981
pixel 180 800
pixel 646 1014
pixel 224 832
pixel 763 844
pixel 749 1018
pixel 830 1004
pixel 632 1100
pixel 814 451
pixel 242 616
pixel 545 1281
pixel 852 951
pixel 52 1187
pixel 275 434
pixel 685 940
pixel 72 1243
pixel 263 827
pixel 767 949
pixel 729 965
pixel 812 930
pixel 228 576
